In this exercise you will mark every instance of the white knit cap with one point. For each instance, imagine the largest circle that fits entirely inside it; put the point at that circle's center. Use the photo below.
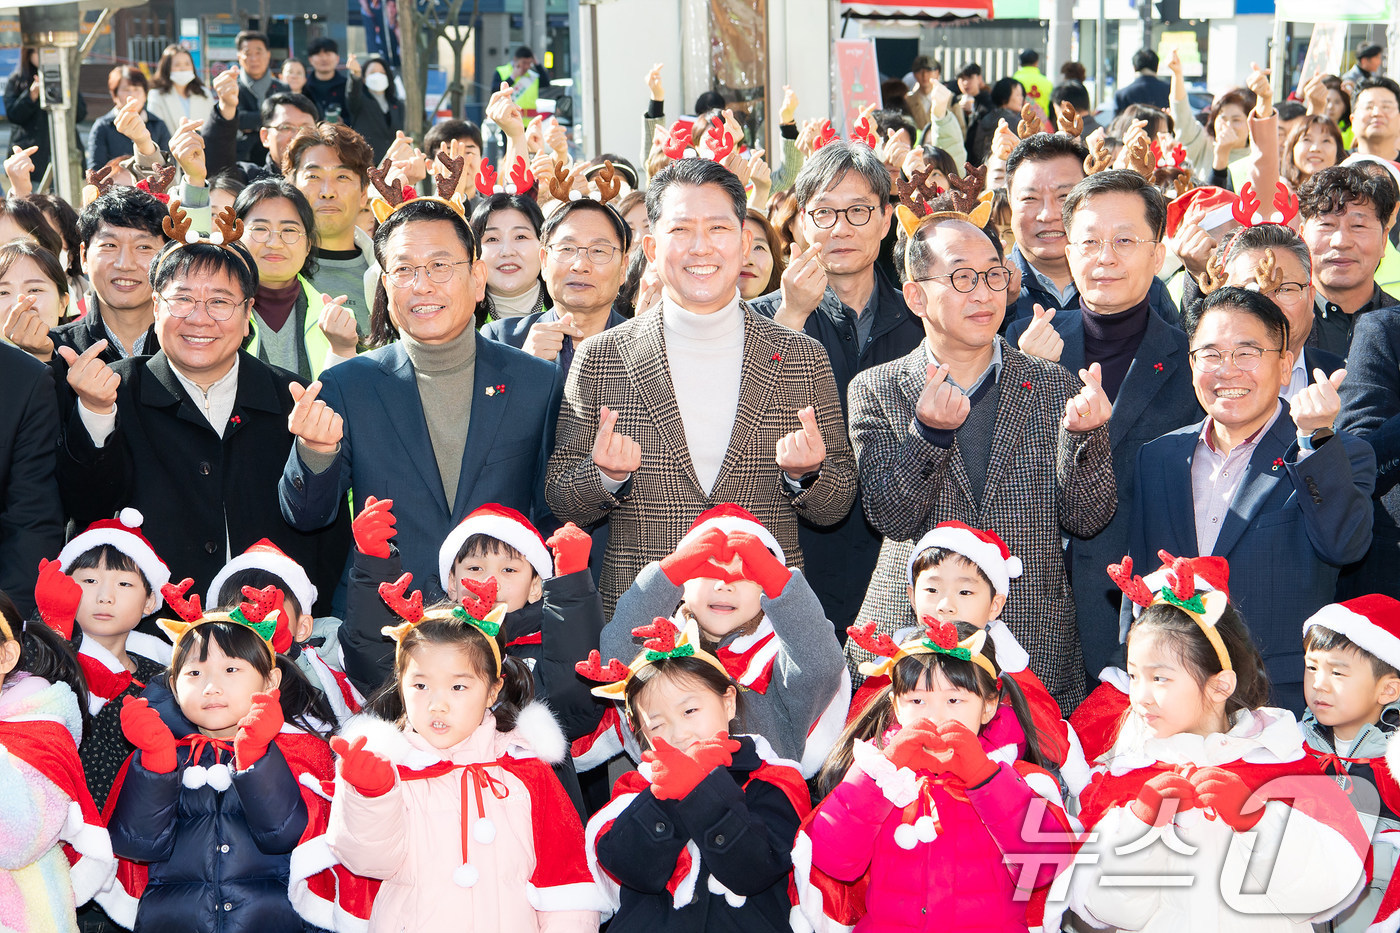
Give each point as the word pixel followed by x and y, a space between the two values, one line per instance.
pixel 983 548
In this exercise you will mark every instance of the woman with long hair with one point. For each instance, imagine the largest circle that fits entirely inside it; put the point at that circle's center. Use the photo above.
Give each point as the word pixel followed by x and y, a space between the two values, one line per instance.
pixel 176 91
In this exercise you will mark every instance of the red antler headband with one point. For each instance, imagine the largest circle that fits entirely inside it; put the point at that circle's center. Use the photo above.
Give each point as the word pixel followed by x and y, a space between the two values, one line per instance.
pixel 663 640
pixel 479 609
pixel 260 611
pixel 935 638
pixel 522 180
pixel 1247 206
pixel 1179 590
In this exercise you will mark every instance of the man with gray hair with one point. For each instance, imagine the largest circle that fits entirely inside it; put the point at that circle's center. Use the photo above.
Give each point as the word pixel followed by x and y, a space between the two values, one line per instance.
pixel 834 292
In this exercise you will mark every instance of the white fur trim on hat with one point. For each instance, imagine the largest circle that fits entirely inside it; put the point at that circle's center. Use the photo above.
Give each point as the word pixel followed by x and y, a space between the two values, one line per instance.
pixel 1362 632
pixel 524 539
pixel 292 574
pixel 985 554
pixel 129 541
pixel 732 523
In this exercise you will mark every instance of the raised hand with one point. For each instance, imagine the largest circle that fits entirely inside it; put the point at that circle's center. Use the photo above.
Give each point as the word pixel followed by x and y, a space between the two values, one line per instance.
pixel 759 564
pixel 787 112
pixel 760 175
pixel 1258 82
pixel 1315 95
pixel 1195 247
pixel 706 556
pixel 893 148
pixel 58 596
pixel 964 757
pixel 144 728
pixel 939 99
pixel 1228 795
pixel 187 149
pixel 505 112
pixel 1317 406
pixel 313 421
pixel 337 322
pixel 352 65
pixel 802 451
pixel 131 123
pixel 1091 408
pixel 1148 806
pixel 1004 141
pixel 555 139
pixel 374 526
pixel 617 455
pixel 546 338
pixel 363 770
pixel 19 169
pixel 92 380
pixel 226 90
pixel 802 286
pixel 570 546
pixel 1040 338
pixel 257 729
pixel 807 136
pixel 942 405
pixel 23 326
pixel 654 84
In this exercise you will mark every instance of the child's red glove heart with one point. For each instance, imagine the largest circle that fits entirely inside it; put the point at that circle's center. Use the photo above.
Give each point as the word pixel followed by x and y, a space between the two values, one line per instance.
pixel 374 526
pixel 58 596
pixel 257 729
pixel 964 758
pixel 674 773
pixel 912 746
pixel 1149 805
pixel 144 728
pixel 1228 795
pixel 706 556
pixel 760 564
pixel 571 546
pixel 367 772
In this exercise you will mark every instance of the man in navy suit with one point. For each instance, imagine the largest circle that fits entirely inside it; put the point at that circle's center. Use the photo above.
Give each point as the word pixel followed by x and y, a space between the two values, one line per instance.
pixel 443 420
pixel 1115 222
pixel 1267 486
pixel 1148 88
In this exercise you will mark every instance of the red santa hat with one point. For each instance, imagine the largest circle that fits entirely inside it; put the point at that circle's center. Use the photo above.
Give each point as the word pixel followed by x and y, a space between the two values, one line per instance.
pixel 1207 207
pixel 729 518
pixel 983 548
pixel 124 534
pixel 264 555
pixel 1372 623
pixel 505 525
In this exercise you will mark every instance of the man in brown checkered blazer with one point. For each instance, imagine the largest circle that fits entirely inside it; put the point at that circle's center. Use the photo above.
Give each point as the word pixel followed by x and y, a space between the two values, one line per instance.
pixel 966 428
pixel 698 402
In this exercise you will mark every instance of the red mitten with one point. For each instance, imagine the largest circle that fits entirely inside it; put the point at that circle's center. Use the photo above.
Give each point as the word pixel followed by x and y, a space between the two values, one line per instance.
pixel 1168 785
pixel 716 752
pixel 571 545
pixel 257 729
pixel 144 728
pixel 706 556
pixel 367 772
pixel 912 746
pixel 57 595
pixel 964 757
pixel 760 564
pixel 374 526
pixel 1228 795
pixel 674 774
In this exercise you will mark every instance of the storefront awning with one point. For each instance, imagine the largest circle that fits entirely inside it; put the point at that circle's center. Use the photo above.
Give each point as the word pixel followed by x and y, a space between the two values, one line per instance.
pixel 917 9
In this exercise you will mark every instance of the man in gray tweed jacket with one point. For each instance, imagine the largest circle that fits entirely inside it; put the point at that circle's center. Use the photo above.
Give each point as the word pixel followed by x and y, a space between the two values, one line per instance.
pixel 967 428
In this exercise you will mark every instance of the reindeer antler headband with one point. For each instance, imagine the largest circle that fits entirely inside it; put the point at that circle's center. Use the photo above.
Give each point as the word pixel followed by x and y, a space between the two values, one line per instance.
pixel 1179 589
pixel 479 610
pixel 663 640
pixel 395 196
pixel 228 229
pixel 260 611
pixel 917 209
pixel 934 637
pixel 521 180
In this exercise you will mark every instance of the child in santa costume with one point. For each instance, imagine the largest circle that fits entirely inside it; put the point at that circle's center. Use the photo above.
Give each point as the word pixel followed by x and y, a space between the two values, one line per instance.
pixel 55 854
pixel 940 815
pixel 759 618
pixel 1210 815
pixel 445 791
pixel 700 838
pixel 224 783
pixel 1351 652
pixel 105 581
pixel 314 644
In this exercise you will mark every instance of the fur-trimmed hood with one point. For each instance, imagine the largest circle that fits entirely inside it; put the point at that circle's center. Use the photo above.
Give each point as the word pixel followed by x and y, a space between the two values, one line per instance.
pixel 536 735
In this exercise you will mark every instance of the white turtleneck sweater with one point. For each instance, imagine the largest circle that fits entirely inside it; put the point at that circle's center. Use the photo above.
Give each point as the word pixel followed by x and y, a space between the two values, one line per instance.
pixel 705 353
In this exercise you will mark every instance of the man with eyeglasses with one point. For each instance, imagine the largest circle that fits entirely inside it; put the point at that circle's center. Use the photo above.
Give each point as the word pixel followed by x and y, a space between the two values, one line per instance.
pixel 1271 487
pixel 835 292
pixel 1345 214
pixel 967 428
pixel 283 115
pixel 194 436
pixel 1114 222
pixel 583 257
pixel 1375 116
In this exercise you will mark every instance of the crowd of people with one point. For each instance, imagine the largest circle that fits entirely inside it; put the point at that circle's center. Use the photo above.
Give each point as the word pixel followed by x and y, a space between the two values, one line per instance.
pixel 979 518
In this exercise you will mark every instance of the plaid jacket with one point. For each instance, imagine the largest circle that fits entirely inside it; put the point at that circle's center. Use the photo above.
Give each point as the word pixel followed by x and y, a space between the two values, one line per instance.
pixel 1041 480
pixel 625 369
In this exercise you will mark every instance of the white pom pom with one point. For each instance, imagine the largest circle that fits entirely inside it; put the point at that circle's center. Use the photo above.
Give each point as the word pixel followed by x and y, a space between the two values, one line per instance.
pixel 1013 566
pixel 575 195
pixel 216 238
pixel 484 831
pixel 690 153
pixel 131 518
pixel 925 829
pixel 501 190
pixel 191 236
pixel 466 875
pixel 195 776
pixel 220 777
pixel 510 188
pixel 905 836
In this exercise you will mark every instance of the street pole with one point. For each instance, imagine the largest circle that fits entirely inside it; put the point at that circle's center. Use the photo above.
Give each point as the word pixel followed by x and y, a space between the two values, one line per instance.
pixel 1100 54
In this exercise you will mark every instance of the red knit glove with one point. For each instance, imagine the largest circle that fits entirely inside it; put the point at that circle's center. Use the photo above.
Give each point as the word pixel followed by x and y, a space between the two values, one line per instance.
pixel 1228 795
pixel 571 546
pixel 674 773
pixel 57 595
pixel 144 728
pixel 365 771
pixel 1169 785
pixel 374 526
pixel 706 556
pixel 964 757
pixel 257 729
pixel 912 746
pixel 760 564
pixel 715 752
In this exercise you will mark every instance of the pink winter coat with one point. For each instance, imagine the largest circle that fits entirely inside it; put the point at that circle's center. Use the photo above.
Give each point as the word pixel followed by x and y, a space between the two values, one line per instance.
pixel 963 879
pixel 513 879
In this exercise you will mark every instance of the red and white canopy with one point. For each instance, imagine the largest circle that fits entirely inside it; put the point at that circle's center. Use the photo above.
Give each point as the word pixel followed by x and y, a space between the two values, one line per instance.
pixel 917 9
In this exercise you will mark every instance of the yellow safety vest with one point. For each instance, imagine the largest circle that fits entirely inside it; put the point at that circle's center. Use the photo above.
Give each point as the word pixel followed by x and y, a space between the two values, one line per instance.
pixel 313 343
pixel 527 97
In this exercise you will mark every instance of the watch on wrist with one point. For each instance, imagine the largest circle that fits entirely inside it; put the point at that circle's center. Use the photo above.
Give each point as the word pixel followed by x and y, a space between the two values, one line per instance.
pixel 1316 439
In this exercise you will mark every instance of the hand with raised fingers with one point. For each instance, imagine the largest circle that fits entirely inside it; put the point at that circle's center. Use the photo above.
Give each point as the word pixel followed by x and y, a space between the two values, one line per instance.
pixel 802 451
pixel 19 169
pixel 759 564
pixel 374 527
pixel 314 422
pixel 1317 406
pixel 58 597
pixel 1040 339
pixel 707 556
pixel 364 770
pixel 570 546
pixel 1090 409
pixel 338 323
pixel 92 380
pixel 655 85
pixel 23 326
pixel 616 454
pixel 187 149
pixel 942 406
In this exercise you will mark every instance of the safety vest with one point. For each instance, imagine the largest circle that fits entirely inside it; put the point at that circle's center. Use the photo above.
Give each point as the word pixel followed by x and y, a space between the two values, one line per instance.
pixel 1038 87
pixel 525 92
pixel 314 342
